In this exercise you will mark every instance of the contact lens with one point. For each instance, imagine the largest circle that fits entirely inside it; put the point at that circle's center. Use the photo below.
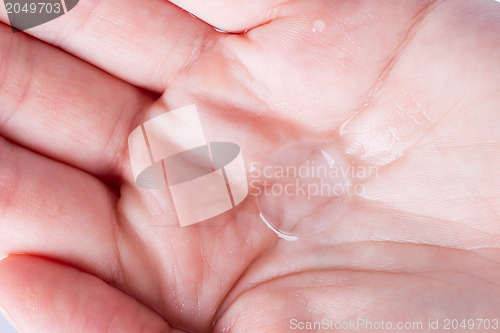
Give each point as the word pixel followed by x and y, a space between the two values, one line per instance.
pixel 299 189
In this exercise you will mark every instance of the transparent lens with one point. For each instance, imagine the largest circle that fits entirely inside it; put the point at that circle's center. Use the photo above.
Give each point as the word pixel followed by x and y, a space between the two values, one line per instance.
pixel 301 189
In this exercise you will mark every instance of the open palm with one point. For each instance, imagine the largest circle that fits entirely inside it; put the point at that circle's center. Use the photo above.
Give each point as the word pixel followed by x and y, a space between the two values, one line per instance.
pixel 408 87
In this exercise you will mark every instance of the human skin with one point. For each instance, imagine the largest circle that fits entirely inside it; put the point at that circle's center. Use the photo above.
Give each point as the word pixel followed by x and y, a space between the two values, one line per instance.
pixel 410 87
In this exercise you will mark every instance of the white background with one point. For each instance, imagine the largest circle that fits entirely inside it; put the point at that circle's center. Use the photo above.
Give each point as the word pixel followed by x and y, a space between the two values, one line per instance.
pixel 5 326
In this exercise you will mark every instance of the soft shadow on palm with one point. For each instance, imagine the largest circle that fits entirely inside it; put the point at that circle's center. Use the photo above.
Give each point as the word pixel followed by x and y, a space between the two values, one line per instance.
pixel 407 89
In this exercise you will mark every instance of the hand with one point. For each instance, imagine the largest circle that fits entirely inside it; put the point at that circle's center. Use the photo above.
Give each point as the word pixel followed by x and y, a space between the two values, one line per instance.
pixel 411 88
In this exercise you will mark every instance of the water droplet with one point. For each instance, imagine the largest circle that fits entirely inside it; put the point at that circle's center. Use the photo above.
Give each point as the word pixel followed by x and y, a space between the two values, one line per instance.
pixel 318 26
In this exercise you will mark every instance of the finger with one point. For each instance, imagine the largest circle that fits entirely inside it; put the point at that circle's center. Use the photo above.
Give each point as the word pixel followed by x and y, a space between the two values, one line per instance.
pixel 146 43
pixel 233 16
pixel 62 107
pixel 44 296
pixel 50 209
